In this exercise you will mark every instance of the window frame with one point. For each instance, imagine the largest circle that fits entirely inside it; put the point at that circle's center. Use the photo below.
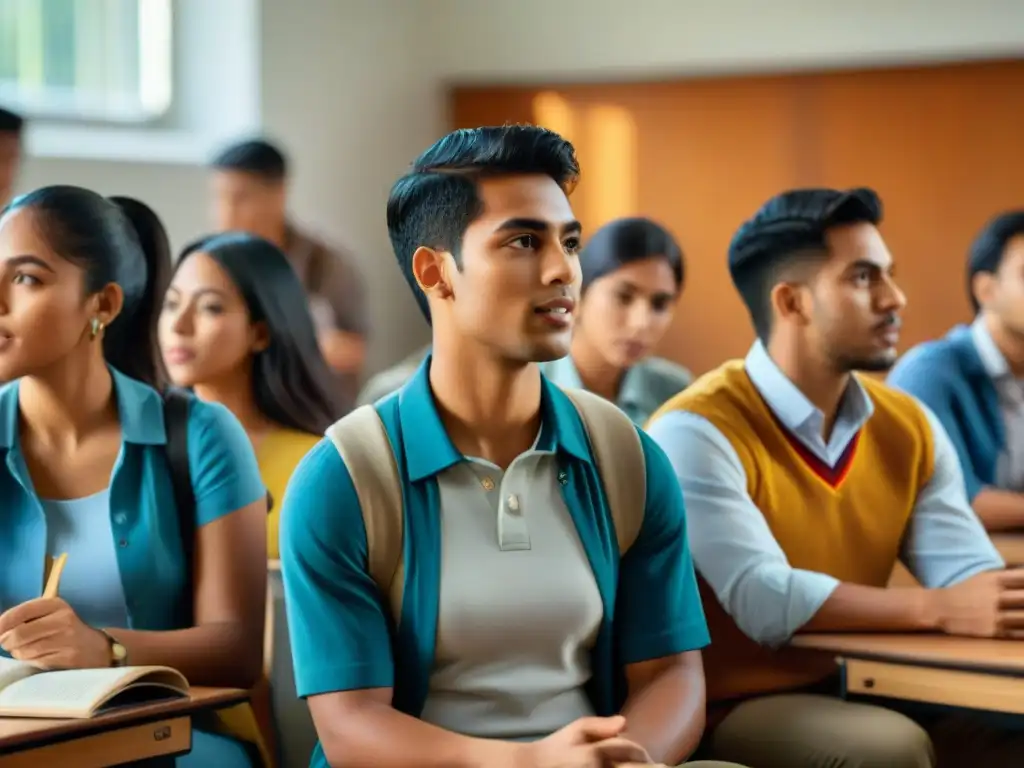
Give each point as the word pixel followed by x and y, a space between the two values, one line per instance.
pixel 56 104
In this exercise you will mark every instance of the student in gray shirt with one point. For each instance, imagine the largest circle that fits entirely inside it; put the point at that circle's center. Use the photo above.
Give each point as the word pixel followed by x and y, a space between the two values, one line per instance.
pixel 633 273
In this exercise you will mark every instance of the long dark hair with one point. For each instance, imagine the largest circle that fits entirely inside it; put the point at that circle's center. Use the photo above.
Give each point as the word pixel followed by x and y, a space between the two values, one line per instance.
pixel 117 240
pixel 292 384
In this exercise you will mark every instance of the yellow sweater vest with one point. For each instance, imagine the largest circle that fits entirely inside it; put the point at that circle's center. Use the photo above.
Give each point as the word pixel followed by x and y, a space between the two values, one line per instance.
pixel 847 522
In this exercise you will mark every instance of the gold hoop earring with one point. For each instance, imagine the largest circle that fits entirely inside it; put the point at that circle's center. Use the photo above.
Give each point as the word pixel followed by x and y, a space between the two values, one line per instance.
pixel 95 327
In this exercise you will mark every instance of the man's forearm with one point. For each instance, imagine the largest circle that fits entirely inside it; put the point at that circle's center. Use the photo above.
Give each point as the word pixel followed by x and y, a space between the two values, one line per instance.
pixel 855 608
pixel 667 716
pixel 999 510
pixel 377 736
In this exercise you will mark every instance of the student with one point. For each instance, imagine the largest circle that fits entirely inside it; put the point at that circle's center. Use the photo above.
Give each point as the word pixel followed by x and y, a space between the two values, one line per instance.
pixel 235 329
pixel 250 194
pixel 516 644
pixel 86 473
pixel 632 280
pixel 12 127
pixel 973 378
pixel 804 482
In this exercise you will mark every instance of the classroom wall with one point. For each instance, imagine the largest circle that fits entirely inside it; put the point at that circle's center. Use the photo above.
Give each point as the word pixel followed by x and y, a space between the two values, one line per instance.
pixel 355 89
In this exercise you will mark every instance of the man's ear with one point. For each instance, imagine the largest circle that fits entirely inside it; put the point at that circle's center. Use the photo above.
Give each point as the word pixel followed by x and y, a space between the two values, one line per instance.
pixel 430 268
pixel 983 287
pixel 791 301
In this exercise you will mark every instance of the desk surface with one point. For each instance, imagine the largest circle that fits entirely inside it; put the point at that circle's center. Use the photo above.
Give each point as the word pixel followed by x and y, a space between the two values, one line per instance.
pixel 20 731
pixel 1006 656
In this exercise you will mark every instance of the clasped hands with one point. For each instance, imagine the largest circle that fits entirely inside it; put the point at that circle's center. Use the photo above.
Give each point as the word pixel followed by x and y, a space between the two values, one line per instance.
pixel 48 634
pixel 590 742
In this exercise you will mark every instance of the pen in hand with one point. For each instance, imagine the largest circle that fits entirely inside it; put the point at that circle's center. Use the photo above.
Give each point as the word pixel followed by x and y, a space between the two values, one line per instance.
pixel 53 580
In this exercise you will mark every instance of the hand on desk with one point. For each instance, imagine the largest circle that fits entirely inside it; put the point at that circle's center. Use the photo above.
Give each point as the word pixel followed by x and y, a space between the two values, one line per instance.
pixel 47 633
pixel 990 604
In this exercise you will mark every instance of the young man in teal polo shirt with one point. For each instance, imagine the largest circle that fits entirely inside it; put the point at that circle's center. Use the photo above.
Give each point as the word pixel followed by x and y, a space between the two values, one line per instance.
pixel 521 634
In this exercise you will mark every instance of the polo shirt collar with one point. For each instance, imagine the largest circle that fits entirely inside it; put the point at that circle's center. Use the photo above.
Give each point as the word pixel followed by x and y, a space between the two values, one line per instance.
pixel 139 407
pixel 428 450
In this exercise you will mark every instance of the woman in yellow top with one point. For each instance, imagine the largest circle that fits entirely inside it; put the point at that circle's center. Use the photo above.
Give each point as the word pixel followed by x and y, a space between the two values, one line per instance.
pixel 236 329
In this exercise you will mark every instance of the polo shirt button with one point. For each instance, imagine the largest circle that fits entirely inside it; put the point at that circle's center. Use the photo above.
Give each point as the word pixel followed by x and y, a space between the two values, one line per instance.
pixel 122 543
pixel 120 518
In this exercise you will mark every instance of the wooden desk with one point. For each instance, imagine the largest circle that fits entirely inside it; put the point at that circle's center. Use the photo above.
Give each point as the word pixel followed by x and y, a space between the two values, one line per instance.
pixel 152 732
pixel 952 671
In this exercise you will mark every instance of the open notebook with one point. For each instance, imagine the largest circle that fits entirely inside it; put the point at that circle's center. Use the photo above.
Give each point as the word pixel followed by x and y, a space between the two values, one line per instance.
pixel 26 691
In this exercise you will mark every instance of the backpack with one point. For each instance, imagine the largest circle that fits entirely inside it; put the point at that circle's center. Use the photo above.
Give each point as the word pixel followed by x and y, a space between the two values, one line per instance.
pixel 238 721
pixel 365 447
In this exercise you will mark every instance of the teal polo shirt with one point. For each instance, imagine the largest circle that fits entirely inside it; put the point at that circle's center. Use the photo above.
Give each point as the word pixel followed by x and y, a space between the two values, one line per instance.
pixel 143 515
pixel 343 636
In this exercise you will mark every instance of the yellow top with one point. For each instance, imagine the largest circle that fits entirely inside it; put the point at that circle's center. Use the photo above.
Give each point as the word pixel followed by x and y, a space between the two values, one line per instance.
pixel 278 454
pixel 845 521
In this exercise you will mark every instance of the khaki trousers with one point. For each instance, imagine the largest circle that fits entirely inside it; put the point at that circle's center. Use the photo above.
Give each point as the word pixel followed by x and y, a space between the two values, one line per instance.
pixel 814 731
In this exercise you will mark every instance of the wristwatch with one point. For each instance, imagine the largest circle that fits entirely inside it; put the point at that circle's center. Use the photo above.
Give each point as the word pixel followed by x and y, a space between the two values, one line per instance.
pixel 118 653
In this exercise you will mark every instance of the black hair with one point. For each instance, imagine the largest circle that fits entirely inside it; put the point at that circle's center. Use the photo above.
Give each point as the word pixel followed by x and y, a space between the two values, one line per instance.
pixel 787 231
pixel 292 384
pixel 257 157
pixel 624 241
pixel 434 203
pixel 11 122
pixel 986 253
pixel 116 240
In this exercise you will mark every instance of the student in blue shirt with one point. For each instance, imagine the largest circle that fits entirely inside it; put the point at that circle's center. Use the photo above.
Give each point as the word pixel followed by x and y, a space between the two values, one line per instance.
pixel 522 635
pixel 86 473
pixel 973 377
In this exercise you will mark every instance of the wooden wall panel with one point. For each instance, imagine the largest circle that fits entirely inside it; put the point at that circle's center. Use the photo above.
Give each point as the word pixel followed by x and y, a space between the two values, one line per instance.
pixel 944 146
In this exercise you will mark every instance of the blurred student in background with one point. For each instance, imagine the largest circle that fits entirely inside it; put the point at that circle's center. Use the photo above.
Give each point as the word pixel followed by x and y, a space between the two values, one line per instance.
pixel 972 377
pixel 12 127
pixel 250 193
pixel 632 280
pixel 87 474
pixel 236 330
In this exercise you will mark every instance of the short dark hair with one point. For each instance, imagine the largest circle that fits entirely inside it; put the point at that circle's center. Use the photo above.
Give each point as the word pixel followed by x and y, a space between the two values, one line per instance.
pixel 11 122
pixel 114 240
pixel 622 241
pixel 256 156
pixel 986 253
pixel 434 203
pixel 789 228
pixel 292 383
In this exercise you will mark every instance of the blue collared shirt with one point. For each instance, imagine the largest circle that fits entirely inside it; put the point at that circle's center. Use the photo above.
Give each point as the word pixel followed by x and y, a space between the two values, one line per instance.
pixel 1009 473
pixel 732 545
pixel 143 516
pixel 645 386
pixel 342 634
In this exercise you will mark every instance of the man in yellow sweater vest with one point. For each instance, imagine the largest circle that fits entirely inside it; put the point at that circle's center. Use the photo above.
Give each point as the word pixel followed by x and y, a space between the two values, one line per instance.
pixel 805 483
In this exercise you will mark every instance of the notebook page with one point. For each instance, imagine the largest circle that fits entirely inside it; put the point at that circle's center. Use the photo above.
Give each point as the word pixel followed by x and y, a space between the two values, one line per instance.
pixel 12 670
pixel 70 692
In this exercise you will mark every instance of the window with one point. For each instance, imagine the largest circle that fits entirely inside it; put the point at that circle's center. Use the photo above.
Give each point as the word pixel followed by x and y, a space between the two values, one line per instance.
pixel 94 60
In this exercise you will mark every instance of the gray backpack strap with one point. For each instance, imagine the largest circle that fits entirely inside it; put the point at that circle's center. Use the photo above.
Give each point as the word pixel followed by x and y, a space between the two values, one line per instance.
pixel 620 460
pixel 365 447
